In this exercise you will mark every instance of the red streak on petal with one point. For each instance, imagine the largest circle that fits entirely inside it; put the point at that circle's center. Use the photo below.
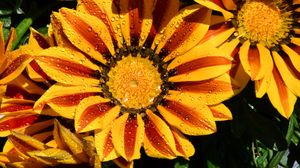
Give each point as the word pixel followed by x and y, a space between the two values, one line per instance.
pixel 155 138
pixel 135 19
pixel 21 145
pixel 14 65
pixel 186 114
pixel 122 162
pixel 85 31
pixel 71 100
pixel 178 145
pixel 43 43
pixel 254 60
pixel 96 10
pixel 17 122
pixel 201 63
pixel 130 135
pixel 207 86
pixel 216 30
pixel 282 90
pixel 108 146
pixel 67 66
pixel 16 107
pixel 291 66
pixel 184 31
pixel 92 112
pixel 39 70
pixel 236 61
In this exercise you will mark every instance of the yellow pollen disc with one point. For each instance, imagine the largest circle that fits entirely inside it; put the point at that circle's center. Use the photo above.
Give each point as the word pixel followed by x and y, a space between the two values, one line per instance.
pixel 263 21
pixel 134 82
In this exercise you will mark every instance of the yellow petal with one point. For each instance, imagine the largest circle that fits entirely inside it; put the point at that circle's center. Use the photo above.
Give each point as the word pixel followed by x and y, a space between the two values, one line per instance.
pixel 183 146
pixel 64 99
pixel 67 66
pixel 220 112
pixel 191 116
pixel 158 141
pixel 217 7
pixel 127 136
pixel 95 112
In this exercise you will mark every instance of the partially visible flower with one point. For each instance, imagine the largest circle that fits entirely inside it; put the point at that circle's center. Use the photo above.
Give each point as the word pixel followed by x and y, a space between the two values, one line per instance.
pixel 265 33
pixel 131 71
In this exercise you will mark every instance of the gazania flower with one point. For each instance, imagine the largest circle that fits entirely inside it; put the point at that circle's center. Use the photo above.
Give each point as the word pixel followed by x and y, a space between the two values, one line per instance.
pixel 130 71
pixel 266 35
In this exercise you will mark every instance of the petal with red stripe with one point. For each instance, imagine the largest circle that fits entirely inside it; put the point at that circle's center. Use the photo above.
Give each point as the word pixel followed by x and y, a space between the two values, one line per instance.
pixel 68 66
pixel 280 95
pixel 105 11
pixel 183 146
pixel 219 5
pixel 257 60
pixel 87 32
pixel 95 112
pixel 64 99
pixel 65 139
pixel 200 63
pixel 220 112
pixel 122 163
pixel 127 135
pixel 191 116
pixel 183 32
pixel 9 123
pixel 158 140
pixel 104 145
pixel 15 107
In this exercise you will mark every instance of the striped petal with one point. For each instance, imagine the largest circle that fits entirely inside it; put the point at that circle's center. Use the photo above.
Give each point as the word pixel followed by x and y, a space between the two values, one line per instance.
pixel 200 63
pixel 163 12
pixel 127 136
pixel 219 5
pixel 65 139
pixel 212 91
pixel 104 145
pixel 64 99
pixel 2 44
pixel 14 68
pixel 15 107
pixel 191 116
pixel 218 34
pixel 9 123
pixel 183 146
pixel 10 40
pixel 257 61
pixel 104 10
pixel 262 85
pixel 95 113
pixel 67 66
pixel 53 157
pixel 289 70
pixel 183 32
pixel 86 32
pixel 136 20
pixel 37 40
pixel 280 96
pixel 158 141
pixel 220 112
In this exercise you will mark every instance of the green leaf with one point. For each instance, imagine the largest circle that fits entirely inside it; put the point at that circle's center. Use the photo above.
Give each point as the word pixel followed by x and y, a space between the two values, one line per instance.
pixel 181 163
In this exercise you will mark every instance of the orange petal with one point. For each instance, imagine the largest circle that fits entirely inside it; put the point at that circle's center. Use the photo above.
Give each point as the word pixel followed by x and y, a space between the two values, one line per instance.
pixel 9 123
pixel 212 91
pixel 104 145
pixel 158 141
pixel 37 40
pixel 191 116
pixel 67 66
pixel 220 112
pixel 88 33
pixel 183 146
pixel 127 136
pixel 69 140
pixel 219 5
pixel 200 63
pixel 2 44
pixel 280 96
pixel 95 112
pixel 183 32
pixel 64 99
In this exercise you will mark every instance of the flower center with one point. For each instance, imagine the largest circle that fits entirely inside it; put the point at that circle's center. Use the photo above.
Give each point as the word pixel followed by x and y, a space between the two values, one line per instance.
pixel 134 82
pixel 264 21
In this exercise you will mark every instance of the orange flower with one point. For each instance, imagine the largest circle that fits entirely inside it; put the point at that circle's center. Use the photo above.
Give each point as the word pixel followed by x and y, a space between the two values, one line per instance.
pixel 264 33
